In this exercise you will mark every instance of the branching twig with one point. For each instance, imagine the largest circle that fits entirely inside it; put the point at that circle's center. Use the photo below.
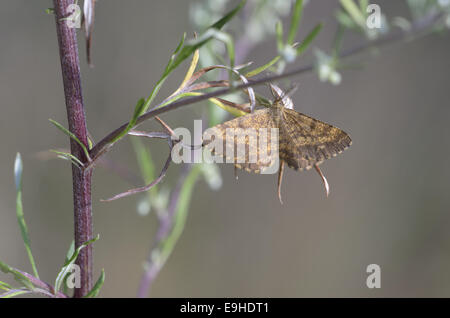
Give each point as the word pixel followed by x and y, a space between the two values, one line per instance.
pixel 418 27
pixel 42 287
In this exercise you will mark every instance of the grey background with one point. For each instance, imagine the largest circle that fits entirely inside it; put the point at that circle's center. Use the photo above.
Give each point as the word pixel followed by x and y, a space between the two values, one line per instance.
pixel 389 201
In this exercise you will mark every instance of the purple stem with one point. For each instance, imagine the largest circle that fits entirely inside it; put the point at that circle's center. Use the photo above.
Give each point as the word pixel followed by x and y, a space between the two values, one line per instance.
pixel 81 180
pixel 43 286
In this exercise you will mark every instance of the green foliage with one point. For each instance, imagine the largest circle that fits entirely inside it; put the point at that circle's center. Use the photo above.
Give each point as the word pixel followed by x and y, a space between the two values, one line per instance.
pixel 18 168
pixel 139 109
pixel 289 50
pixel 5 286
pixel 69 157
pixel 181 53
pixel 308 39
pixel 183 50
pixel 295 21
pixel 354 16
pixel 15 292
pixel 168 244
pixel 18 276
pixel 71 135
pixel 98 285
pixel 61 277
pixel 69 253
pixel 264 67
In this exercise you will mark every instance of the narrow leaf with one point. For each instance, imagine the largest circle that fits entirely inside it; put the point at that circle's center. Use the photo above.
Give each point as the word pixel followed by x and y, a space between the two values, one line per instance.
pixel 308 39
pixel 68 156
pixel 295 21
pixel 263 68
pixel 5 286
pixel 145 162
pixel 18 276
pixel 69 253
pixel 190 71
pixel 190 47
pixel 219 24
pixel 18 168
pixel 232 110
pixel 279 33
pixel 98 285
pixel 71 135
pixel 67 265
pixel 139 109
pixel 15 292
pixel 182 209
pixel 166 73
pixel 183 51
pixel 354 12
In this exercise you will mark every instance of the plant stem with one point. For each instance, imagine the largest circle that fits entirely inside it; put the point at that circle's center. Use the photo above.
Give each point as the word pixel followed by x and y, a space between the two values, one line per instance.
pixel 42 285
pixel 81 180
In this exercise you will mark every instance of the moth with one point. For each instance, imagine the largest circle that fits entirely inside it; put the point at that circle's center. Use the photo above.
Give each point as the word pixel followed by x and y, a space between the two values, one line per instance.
pixel 302 142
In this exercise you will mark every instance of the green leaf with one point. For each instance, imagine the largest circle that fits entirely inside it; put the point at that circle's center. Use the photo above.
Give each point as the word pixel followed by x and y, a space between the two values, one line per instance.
pixel 363 4
pixel 228 41
pixel 279 33
pixel 18 168
pixel 98 285
pixel 178 96
pixel 308 39
pixel 219 24
pixel 68 156
pixel 345 20
pixel 18 276
pixel 184 51
pixel 295 21
pixel 90 143
pixel 67 265
pixel 5 286
pixel 262 100
pixel 15 292
pixel 71 135
pixel 145 162
pixel 166 73
pixel 181 212
pixel 354 12
pixel 190 47
pixel 139 109
pixel 263 68
pixel 69 253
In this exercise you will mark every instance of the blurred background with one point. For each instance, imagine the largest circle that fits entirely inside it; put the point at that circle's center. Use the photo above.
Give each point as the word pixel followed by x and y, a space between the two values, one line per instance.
pixel 389 203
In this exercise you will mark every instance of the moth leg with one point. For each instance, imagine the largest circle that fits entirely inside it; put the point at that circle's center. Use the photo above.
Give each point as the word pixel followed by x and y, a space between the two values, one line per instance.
pixel 280 179
pixel 325 182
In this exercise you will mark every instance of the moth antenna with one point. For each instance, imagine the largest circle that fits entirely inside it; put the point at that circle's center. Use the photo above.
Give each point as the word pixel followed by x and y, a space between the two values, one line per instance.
pixel 280 179
pixel 325 182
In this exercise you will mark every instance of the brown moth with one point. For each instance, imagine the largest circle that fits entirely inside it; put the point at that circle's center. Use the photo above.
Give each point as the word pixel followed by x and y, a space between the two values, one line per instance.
pixel 303 142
